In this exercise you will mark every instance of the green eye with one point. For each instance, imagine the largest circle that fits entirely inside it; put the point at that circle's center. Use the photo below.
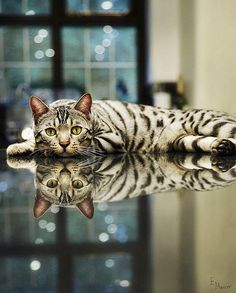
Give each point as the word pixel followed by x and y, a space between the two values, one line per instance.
pixel 52 183
pixel 77 184
pixel 76 130
pixel 50 131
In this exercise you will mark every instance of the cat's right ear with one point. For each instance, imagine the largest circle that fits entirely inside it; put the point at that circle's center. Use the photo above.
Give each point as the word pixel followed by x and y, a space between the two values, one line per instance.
pixel 41 205
pixel 86 207
pixel 38 108
pixel 84 105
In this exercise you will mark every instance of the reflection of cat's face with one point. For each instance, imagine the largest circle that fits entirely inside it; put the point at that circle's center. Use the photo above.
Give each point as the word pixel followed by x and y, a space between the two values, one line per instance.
pixel 63 184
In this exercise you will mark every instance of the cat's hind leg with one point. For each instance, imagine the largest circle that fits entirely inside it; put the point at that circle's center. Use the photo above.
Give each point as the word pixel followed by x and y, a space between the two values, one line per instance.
pixel 210 144
pixel 22 148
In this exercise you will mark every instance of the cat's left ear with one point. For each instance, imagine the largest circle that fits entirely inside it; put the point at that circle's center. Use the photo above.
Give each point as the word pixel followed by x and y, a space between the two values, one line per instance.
pixel 86 207
pixel 41 205
pixel 84 105
pixel 38 108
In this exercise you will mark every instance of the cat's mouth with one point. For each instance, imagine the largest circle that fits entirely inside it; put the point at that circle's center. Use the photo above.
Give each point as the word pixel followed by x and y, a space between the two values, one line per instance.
pixel 64 152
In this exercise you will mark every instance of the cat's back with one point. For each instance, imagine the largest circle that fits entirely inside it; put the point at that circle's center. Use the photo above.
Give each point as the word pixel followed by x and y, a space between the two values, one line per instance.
pixel 113 106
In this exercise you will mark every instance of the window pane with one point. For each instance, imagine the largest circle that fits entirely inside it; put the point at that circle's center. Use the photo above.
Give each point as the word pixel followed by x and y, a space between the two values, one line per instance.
pixel 27 7
pixel 98 6
pixel 26 57
pixel 12 44
pixel 74 44
pixel 126 85
pixel 100 82
pixel 104 273
pixel 28 274
pixel 101 60
pixel 111 223
pixel 74 78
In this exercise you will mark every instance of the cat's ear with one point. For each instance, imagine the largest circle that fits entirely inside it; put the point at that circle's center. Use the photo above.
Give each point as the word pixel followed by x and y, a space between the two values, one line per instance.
pixel 38 108
pixel 86 207
pixel 41 205
pixel 84 105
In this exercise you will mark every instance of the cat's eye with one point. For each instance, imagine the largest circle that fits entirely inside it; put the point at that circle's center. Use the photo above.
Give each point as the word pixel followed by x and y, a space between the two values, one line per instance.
pixel 50 131
pixel 76 130
pixel 52 183
pixel 77 184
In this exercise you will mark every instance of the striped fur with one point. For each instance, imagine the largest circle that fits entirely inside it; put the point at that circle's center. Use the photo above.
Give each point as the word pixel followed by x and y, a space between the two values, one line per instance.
pixel 113 126
pixel 79 183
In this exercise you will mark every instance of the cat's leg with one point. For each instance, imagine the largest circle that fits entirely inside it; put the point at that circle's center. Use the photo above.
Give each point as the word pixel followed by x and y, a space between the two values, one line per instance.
pixel 208 179
pixel 198 143
pixel 22 163
pixel 21 148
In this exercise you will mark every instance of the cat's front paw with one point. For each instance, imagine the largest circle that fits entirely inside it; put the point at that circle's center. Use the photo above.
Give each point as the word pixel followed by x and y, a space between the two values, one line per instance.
pixel 14 150
pixel 223 147
pixel 19 149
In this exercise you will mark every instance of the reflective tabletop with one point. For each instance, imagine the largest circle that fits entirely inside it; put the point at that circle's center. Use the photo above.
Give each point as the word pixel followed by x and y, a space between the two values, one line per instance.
pixel 118 223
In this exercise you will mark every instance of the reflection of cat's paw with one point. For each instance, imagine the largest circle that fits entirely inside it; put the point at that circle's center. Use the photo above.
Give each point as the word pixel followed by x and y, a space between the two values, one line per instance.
pixel 223 147
pixel 223 164
pixel 21 162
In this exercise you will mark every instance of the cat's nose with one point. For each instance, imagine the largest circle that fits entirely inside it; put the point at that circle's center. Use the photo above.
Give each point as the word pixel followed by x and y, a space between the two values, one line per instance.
pixel 64 144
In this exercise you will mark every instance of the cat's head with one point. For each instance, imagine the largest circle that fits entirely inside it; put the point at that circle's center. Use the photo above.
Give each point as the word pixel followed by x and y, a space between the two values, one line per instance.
pixel 64 127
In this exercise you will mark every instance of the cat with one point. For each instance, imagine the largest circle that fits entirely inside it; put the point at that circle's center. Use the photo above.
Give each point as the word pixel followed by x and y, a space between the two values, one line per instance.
pixel 69 128
pixel 78 182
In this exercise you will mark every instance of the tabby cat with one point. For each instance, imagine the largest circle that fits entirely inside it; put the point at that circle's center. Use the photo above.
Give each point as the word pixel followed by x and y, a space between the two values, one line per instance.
pixel 80 182
pixel 68 128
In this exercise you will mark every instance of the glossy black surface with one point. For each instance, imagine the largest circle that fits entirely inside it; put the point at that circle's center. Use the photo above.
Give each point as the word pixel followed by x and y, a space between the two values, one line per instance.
pixel 171 241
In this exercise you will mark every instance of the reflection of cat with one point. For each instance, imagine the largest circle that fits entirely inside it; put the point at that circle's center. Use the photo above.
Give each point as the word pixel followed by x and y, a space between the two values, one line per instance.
pixel 68 128
pixel 70 182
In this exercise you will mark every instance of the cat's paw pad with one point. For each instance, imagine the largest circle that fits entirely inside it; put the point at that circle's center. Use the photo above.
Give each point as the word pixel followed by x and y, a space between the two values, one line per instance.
pixel 223 147
pixel 222 164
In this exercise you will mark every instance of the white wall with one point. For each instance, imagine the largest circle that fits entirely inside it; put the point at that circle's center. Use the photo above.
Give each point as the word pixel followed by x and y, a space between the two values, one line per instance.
pixel 197 39
pixel 215 59
pixel 164 40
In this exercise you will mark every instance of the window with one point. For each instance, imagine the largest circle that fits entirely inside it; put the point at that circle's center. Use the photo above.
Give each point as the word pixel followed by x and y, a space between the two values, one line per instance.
pixel 98 60
pixel 63 50
pixel 78 46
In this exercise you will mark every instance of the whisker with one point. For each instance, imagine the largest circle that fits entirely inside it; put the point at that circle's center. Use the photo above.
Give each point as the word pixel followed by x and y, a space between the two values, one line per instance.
pixel 91 150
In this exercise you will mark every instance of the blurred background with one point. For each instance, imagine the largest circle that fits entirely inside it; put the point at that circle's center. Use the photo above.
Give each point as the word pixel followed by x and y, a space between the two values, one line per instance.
pixel 178 53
